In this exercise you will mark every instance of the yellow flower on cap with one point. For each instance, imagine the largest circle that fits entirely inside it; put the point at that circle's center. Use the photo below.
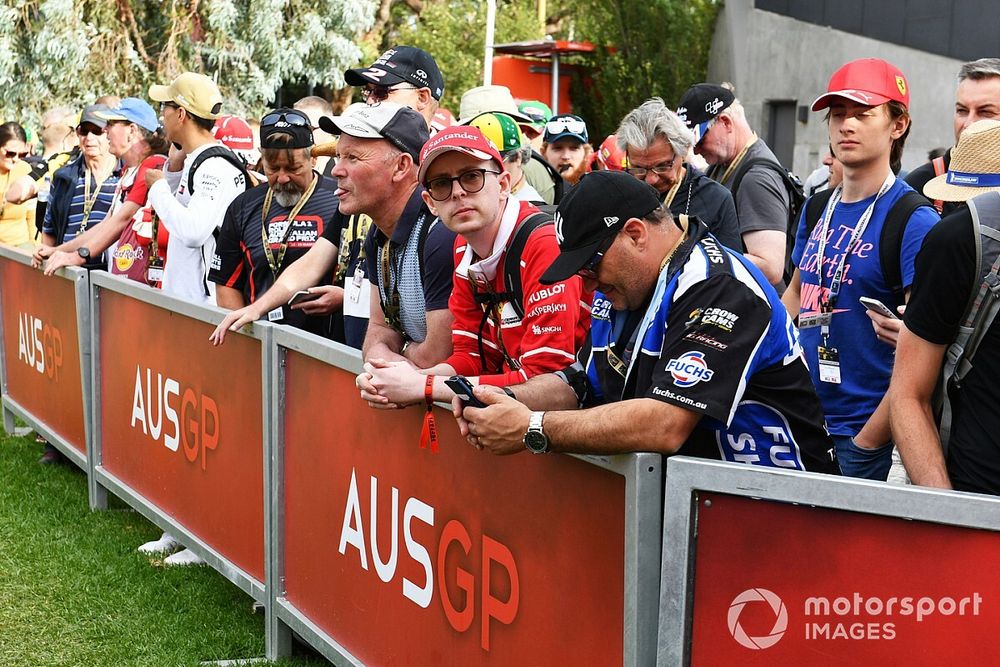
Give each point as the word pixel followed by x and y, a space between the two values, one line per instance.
pixel 195 93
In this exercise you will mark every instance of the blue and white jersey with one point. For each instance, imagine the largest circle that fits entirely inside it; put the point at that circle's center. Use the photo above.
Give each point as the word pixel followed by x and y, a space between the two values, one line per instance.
pixel 716 340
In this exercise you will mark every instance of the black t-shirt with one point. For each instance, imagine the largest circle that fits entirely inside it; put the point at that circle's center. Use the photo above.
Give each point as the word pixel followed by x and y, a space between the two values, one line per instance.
pixel 918 178
pixel 240 261
pixel 945 276
pixel 712 203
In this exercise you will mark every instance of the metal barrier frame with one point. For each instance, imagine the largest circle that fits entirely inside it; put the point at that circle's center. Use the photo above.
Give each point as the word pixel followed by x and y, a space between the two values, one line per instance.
pixel 643 520
pixel 261 331
pixel 80 278
pixel 686 477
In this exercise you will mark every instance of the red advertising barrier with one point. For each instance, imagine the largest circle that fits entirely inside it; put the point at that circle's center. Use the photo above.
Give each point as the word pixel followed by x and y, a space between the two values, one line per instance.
pixel 42 349
pixel 181 423
pixel 405 556
pixel 777 583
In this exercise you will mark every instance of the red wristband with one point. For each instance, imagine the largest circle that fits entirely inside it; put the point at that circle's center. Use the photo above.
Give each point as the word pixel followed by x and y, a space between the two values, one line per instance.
pixel 428 435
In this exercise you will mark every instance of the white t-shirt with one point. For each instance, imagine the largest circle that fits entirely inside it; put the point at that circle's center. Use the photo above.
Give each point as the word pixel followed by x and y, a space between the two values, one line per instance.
pixel 192 220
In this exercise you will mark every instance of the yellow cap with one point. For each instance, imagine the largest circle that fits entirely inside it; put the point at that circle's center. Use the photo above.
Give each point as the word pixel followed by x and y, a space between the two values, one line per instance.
pixel 194 92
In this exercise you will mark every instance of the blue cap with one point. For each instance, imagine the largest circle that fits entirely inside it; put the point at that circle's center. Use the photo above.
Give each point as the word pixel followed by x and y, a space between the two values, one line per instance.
pixel 133 110
pixel 565 125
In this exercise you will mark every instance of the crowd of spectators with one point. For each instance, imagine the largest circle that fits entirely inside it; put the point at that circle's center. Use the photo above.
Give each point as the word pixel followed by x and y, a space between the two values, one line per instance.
pixel 668 291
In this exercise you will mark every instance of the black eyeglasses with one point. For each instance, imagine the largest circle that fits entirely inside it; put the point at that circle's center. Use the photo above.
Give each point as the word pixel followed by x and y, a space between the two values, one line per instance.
pixel 10 155
pixel 472 181
pixel 661 169
pixel 382 93
pixel 84 130
pixel 589 270
pixel 291 118
pixel 168 105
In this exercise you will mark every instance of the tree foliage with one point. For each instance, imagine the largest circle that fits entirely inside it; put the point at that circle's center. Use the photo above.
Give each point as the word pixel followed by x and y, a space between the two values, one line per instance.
pixel 454 32
pixel 64 52
pixel 645 49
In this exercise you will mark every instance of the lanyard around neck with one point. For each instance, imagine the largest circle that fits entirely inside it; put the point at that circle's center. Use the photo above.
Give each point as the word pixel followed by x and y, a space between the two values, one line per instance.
pixel 824 231
pixel 275 264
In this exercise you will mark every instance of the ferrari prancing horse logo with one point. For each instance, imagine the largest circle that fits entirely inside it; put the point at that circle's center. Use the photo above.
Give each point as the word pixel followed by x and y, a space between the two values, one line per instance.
pixel 901 84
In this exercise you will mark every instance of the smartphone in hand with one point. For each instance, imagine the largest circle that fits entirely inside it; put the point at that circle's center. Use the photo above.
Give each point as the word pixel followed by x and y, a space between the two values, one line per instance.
pixel 878 307
pixel 463 389
pixel 302 296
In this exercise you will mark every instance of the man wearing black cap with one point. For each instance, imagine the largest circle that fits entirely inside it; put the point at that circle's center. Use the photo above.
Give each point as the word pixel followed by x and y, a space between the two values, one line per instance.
pixel 690 349
pixel 298 205
pixel 724 138
pixel 408 253
pixel 403 74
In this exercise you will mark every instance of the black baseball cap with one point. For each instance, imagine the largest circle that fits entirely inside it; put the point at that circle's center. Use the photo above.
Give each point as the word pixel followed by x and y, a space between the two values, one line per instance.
pixel 286 121
pixel 596 208
pixel 701 104
pixel 399 64
pixel 401 126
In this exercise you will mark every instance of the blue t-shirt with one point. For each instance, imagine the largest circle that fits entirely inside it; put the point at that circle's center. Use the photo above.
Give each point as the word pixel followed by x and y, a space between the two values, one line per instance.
pixel 865 361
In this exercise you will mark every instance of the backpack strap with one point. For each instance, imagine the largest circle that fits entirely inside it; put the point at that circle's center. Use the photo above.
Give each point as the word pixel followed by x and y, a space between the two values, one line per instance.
pixel 891 240
pixel 227 155
pixel 557 179
pixel 512 261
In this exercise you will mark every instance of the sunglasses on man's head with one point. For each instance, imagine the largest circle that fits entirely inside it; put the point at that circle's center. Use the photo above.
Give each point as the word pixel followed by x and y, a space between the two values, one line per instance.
pixel 291 118
pixel 10 155
pixel 561 125
pixel 84 130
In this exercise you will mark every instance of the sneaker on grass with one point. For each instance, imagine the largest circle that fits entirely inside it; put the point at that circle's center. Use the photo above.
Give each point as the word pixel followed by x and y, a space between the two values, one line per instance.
pixel 185 557
pixel 162 545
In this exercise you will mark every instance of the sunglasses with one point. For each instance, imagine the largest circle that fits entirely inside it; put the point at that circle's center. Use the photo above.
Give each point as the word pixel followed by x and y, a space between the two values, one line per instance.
pixel 589 270
pixel 89 129
pixel 661 169
pixel 11 155
pixel 382 93
pixel 472 181
pixel 561 125
pixel 168 105
pixel 287 117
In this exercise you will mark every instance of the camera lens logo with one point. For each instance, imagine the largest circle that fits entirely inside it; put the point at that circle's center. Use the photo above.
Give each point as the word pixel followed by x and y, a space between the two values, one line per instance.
pixel 776 606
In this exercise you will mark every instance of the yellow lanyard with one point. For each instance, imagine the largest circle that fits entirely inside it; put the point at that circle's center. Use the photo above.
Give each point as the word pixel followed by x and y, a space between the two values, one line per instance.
pixel 673 190
pixel 88 201
pixel 283 246
pixel 731 169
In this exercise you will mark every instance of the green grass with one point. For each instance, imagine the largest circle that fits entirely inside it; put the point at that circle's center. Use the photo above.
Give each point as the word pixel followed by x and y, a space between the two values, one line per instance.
pixel 74 591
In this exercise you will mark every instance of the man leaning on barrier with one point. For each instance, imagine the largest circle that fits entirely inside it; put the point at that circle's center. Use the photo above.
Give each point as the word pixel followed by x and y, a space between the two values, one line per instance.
pixel 690 350
pixel 408 253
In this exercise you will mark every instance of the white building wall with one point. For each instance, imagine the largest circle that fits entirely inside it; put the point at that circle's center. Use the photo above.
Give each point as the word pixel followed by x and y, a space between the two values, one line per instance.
pixel 767 56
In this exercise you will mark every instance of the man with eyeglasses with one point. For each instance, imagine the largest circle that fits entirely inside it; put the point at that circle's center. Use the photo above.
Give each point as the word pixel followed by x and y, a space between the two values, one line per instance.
pixel 565 146
pixel 192 195
pixel 271 226
pixel 656 142
pixel 690 350
pixel 500 337
pixel 83 191
pixel 736 156
pixel 403 75
pixel 407 253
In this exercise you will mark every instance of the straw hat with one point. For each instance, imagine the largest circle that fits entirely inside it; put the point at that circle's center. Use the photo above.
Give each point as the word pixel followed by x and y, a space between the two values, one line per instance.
pixel 974 167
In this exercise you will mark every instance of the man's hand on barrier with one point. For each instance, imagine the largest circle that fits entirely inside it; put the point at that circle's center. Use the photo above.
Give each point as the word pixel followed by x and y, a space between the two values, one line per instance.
pixel 886 328
pixel 233 321
pixel 41 253
pixel 499 427
pixel 331 301
pixel 397 382
pixel 369 386
pixel 59 259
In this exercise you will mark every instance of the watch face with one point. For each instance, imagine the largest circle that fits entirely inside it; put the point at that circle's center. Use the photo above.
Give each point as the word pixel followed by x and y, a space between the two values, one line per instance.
pixel 535 441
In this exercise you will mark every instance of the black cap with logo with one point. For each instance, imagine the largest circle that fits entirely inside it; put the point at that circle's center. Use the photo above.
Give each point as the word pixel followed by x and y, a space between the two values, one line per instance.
pixel 399 64
pixel 701 104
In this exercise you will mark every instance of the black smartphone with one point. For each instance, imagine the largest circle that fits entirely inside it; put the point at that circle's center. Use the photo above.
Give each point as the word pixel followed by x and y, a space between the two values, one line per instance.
pixel 302 296
pixel 463 389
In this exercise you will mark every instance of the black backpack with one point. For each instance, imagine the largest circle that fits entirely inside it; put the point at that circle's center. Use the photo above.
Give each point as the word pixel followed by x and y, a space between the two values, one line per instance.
pixel 891 239
pixel 228 156
pixel 796 197
pixel 561 184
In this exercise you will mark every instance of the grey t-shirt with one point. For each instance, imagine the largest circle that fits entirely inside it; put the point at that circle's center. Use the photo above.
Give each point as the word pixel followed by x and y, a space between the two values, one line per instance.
pixel 761 200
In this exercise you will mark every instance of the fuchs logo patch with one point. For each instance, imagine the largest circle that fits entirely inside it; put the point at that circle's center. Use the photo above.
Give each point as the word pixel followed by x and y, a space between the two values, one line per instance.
pixel 689 369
